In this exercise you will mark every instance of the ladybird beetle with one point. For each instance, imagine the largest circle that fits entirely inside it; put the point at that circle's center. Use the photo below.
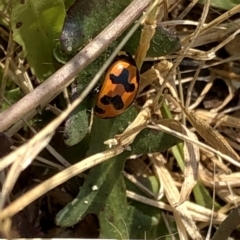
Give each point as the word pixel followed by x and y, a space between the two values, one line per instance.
pixel 120 87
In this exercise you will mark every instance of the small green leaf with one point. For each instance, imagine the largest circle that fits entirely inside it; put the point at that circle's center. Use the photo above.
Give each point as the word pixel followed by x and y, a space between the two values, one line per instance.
pixel 12 96
pixel 235 1
pixel 177 149
pixel 222 4
pixel 203 197
pixel 164 42
pixel 156 227
pixel 113 217
pixel 77 124
pixel 104 177
pixel 83 22
pixel 36 26
pixel 149 141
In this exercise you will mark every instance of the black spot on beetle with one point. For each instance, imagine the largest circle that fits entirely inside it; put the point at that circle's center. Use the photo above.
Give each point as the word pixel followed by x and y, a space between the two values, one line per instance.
pixel 99 110
pixel 138 77
pixel 115 101
pixel 22 1
pixel 106 100
pixel 123 79
pixel 18 24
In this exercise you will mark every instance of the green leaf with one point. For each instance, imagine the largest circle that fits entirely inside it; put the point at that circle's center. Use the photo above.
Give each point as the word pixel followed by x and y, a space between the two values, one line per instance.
pixel 235 1
pixel 156 227
pixel 117 225
pixel 222 4
pixel 113 216
pixel 36 26
pixel 83 22
pixel 77 124
pixel 149 141
pixel 5 10
pixel 12 96
pixel 119 220
pixel 177 149
pixel 164 42
pixel 68 3
pixel 104 176
pixel 203 197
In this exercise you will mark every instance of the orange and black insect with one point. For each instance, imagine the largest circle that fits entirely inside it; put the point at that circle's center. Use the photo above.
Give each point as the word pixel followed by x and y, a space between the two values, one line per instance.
pixel 120 87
